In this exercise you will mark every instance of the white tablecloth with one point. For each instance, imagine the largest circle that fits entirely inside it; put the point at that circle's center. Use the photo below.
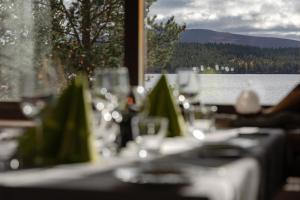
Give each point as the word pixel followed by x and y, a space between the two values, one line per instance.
pixel 238 180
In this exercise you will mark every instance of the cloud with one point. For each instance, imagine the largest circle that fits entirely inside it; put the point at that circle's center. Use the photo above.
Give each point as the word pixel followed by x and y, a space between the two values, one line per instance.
pixel 279 18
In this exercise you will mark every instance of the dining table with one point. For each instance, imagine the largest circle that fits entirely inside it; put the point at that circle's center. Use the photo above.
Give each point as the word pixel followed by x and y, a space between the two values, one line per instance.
pixel 255 170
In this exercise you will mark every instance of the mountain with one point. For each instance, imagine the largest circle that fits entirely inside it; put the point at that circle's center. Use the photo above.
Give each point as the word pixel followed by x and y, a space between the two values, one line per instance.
pixel 209 36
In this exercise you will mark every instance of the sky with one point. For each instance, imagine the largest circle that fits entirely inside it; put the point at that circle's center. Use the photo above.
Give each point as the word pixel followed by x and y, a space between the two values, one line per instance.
pixel 275 18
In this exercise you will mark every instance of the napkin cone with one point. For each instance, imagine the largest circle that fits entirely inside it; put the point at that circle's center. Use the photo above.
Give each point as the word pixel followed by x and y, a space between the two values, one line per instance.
pixel 162 104
pixel 65 136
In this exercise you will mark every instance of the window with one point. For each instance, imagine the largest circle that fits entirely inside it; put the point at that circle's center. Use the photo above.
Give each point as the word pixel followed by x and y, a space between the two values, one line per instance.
pixel 68 35
pixel 235 44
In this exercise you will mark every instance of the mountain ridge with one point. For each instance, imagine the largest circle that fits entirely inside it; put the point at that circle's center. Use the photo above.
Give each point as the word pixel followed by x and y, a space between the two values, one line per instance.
pixel 209 36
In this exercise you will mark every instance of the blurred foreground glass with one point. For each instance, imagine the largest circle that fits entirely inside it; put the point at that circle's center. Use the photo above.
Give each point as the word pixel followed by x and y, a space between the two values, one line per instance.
pixel 110 91
pixel 149 133
pixel 9 79
pixel 37 89
pixel 188 84
pixel 112 87
pixel 8 144
pixel 201 120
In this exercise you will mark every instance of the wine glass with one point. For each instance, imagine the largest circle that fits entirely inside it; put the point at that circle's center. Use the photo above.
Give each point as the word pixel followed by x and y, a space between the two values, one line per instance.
pixel 112 87
pixel 188 84
pixel 110 91
pixel 37 89
pixel 188 89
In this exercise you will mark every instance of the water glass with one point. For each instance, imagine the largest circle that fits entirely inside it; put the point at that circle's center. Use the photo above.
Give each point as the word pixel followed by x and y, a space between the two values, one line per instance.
pixel 201 120
pixel 149 133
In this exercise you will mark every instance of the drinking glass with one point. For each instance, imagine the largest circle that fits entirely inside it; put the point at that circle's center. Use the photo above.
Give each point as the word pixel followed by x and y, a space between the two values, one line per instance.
pixel 37 89
pixel 110 91
pixel 111 87
pixel 201 120
pixel 120 87
pixel 188 84
pixel 149 133
pixel 9 139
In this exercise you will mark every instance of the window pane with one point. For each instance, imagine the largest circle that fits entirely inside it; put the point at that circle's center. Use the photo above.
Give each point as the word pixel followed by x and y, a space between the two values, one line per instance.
pixel 70 36
pixel 234 44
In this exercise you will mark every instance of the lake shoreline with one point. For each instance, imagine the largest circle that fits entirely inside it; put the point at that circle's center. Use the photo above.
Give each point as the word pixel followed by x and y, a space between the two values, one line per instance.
pixel 225 88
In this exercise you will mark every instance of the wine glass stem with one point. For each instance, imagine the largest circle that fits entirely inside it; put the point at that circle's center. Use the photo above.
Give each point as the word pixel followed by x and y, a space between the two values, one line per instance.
pixel 39 139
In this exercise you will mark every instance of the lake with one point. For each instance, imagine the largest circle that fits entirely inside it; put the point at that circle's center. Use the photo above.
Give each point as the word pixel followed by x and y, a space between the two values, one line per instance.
pixel 225 88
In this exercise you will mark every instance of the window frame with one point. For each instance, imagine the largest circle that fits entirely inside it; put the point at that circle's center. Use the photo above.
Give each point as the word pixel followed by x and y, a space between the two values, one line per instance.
pixel 134 58
pixel 134 40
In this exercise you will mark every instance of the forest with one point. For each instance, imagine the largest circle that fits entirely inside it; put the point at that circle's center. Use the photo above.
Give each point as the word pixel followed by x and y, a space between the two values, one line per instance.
pixel 232 59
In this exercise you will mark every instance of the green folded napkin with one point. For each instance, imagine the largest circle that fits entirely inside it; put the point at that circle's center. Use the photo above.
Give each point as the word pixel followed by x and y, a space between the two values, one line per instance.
pixel 162 104
pixel 65 136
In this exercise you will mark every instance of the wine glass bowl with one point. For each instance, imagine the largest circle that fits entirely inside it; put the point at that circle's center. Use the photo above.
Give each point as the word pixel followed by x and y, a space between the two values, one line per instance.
pixel 112 86
pixel 37 89
pixel 110 92
pixel 188 84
